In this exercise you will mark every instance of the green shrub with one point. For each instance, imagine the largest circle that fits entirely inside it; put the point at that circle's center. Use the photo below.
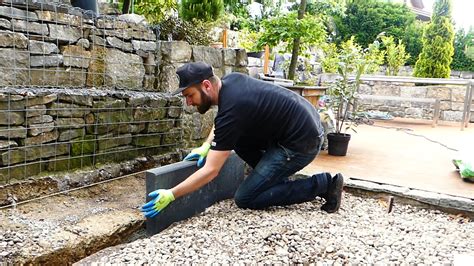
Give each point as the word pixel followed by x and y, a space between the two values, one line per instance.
pixel 437 53
pixel 195 32
pixel 205 10
pixel 396 55
pixel 462 42
pixel 413 40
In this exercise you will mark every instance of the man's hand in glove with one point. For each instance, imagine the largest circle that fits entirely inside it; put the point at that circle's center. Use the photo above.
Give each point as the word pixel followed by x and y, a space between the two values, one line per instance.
pixel 199 154
pixel 162 197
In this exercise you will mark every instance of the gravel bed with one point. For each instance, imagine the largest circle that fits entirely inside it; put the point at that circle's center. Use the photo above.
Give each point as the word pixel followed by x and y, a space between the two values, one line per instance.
pixel 362 232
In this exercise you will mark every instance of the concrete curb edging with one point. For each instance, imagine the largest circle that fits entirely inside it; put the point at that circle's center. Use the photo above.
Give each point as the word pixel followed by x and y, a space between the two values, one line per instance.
pixel 432 198
pixel 222 187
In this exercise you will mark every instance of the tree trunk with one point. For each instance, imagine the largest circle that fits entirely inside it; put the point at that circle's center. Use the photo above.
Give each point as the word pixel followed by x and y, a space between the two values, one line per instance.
pixel 296 44
pixel 126 6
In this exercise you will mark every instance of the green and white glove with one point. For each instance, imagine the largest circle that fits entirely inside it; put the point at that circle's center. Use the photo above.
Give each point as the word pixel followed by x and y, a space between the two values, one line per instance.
pixel 162 197
pixel 199 154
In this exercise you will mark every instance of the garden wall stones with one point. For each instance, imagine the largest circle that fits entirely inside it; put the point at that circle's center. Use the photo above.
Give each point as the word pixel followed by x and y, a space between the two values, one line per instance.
pixel 451 97
pixel 62 129
pixel 69 83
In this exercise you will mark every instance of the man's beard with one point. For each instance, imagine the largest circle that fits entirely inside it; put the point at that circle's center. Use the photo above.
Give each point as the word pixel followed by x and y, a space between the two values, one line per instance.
pixel 205 102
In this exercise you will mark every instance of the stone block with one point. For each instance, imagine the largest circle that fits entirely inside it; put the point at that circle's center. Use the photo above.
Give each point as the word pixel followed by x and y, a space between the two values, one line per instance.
pixel 241 59
pixel 207 54
pixel 70 122
pixel 58 76
pixel 65 163
pixel 41 119
pixel 176 51
pixel 36 129
pixel 35 110
pixel 222 187
pixel 123 70
pixel 68 110
pixel 229 56
pixel 108 141
pixel 83 145
pixel 439 92
pixel 32 153
pixel 147 140
pixel 160 126
pixel 12 105
pixel 145 46
pixel 11 12
pixel 11 118
pixel 451 115
pixel 14 64
pixel 46 61
pixel 169 81
pixel 76 56
pixel 13 39
pixel 71 134
pixel 119 44
pixel 80 99
pixel 172 138
pixel 37 102
pixel 40 139
pixel 64 33
pixel 7 144
pixel 61 18
pixel 5 24
pixel 20 171
pixel 96 70
pixel 30 27
pixel 12 132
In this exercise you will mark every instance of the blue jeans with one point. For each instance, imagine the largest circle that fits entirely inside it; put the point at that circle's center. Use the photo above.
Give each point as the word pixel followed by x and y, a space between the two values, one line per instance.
pixel 268 184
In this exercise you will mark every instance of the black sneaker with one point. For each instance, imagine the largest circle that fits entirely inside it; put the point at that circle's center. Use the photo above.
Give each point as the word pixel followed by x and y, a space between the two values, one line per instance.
pixel 334 194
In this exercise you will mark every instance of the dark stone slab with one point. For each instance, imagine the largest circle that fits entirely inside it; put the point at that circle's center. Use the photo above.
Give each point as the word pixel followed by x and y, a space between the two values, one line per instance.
pixel 222 187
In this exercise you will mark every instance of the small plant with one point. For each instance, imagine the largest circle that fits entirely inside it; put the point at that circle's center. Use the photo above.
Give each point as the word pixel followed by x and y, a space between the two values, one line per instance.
pixel 175 29
pixel 352 63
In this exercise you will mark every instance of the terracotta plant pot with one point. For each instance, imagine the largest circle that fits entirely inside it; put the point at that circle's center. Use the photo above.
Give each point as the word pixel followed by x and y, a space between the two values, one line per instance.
pixel 338 143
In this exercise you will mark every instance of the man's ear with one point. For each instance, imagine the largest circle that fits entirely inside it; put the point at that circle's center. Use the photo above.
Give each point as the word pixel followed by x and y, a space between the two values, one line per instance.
pixel 207 85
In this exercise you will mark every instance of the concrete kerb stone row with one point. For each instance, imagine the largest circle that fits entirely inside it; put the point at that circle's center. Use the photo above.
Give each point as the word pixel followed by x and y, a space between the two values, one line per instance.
pixel 222 187
pixel 432 198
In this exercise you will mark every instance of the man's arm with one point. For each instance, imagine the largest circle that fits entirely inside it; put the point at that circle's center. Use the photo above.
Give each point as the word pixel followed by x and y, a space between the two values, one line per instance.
pixel 214 162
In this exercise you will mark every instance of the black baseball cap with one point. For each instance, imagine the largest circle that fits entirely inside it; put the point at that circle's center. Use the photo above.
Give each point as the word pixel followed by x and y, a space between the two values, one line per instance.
pixel 192 73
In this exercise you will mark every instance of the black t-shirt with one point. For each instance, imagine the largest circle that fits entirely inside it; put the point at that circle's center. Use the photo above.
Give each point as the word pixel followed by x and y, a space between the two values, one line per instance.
pixel 252 108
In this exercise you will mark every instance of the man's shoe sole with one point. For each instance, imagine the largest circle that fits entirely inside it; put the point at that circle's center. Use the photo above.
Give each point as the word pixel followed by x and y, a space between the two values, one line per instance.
pixel 339 187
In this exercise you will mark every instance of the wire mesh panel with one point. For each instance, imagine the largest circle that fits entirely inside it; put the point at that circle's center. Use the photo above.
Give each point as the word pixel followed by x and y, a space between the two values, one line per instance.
pixel 69 95
pixel 44 130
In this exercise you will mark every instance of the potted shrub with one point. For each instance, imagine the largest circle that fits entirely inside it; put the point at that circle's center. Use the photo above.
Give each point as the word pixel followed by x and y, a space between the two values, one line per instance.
pixel 352 62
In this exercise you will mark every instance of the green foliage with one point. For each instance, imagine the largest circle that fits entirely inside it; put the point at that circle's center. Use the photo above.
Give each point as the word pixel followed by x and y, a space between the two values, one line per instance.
pixel 352 60
pixel 205 10
pixel 285 28
pixel 194 32
pixel 352 56
pixel 248 40
pixel 413 40
pixel 155 10
pixel 462 42
pixel 365 19
pixel 438 38
pixel 396 56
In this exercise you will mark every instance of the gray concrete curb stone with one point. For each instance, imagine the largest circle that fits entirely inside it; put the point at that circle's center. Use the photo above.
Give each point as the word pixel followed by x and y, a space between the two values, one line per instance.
pixel 222 187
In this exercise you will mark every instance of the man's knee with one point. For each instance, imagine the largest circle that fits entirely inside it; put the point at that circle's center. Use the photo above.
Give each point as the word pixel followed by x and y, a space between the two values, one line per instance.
pixel 242 201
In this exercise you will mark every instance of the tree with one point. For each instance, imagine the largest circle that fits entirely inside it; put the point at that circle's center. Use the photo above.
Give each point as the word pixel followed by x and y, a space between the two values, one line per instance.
pixel 396 55
pixel 462 40
pixel 412 40
pixel 286 28
pixel 154 11
pixel 366 19
pixel 438 38
pixel 205 10
pixel 296 44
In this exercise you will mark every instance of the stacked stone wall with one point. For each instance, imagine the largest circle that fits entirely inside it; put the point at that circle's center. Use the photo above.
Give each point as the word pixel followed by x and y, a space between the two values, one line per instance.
pixel 80 91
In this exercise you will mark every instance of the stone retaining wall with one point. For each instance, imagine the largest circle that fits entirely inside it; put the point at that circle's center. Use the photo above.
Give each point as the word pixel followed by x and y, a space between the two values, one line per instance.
pixel 47 130
pixel 77 90
pixel 451 97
